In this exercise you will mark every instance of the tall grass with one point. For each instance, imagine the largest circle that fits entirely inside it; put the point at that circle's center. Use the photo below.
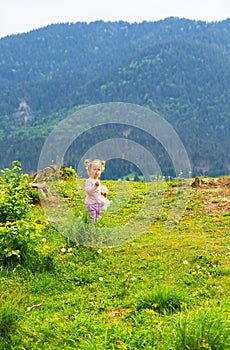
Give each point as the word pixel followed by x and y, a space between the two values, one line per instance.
pixel 12 308
pixel 162 300
pixel 204 329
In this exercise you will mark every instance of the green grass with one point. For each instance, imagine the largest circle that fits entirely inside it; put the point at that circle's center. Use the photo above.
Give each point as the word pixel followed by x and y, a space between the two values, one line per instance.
pixel 164 289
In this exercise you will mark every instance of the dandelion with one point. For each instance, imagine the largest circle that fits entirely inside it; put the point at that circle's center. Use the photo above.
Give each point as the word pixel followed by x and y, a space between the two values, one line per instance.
pixel 63 250
pixel 100 278
pixel 219 288
pixel 44 240
pixel 185 262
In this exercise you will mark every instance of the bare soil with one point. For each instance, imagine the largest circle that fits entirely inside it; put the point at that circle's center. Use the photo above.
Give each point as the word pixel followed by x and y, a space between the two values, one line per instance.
pixel 215 194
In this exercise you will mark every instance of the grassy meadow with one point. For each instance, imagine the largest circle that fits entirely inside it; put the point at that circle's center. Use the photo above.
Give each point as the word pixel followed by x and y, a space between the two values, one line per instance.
pixel 163 289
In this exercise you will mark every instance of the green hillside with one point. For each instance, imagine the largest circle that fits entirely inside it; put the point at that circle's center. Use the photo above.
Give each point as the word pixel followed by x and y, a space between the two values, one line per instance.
pixel 176 67
pixel 162 289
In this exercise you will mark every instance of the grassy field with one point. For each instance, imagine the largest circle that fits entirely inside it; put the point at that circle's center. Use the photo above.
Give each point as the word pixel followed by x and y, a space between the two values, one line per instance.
pixel 162 289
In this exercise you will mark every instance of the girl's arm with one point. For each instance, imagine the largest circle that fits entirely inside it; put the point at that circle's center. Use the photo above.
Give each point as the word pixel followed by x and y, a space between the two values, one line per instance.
pixel 90 186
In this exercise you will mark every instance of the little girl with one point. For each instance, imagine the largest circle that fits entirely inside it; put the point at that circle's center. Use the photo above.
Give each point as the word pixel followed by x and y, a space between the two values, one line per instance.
pixel 93 188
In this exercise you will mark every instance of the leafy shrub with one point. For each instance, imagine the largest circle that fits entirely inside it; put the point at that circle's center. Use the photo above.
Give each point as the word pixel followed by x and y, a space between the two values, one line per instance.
pixel 14 194
pixel 66 173
pixel 17 242
pixel 34 195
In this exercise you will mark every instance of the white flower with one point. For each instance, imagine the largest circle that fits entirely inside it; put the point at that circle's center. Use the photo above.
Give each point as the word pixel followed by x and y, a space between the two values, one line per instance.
pixel 99 251
pixel 44 240
pixel 69 250
pixel 185 262
pixel 100 278
pixel 63 250
pixel 133 279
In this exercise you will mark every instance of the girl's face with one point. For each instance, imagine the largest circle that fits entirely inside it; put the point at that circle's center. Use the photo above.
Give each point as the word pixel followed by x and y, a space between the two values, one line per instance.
pixel 94 171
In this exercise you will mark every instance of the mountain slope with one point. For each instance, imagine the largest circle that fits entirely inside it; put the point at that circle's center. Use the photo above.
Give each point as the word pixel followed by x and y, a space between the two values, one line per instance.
pixel 64 57
pixel 177 67
pixel 188 84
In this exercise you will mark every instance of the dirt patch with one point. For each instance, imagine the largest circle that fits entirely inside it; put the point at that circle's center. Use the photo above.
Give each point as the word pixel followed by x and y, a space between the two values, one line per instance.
pixel 215 194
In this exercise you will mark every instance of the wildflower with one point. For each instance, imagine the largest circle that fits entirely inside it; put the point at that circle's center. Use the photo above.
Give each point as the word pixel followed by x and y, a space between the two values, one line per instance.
pixel 151 312
pixel 219 288
pixel 63 250
pixel 44 240
pixel 183 304
pixel 133 279
pixel 100 278
pixel 185 262
pixel 69 250
pixel 99 251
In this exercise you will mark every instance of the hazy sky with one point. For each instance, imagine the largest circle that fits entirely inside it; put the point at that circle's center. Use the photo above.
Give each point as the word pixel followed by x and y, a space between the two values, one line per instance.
pixel 18 16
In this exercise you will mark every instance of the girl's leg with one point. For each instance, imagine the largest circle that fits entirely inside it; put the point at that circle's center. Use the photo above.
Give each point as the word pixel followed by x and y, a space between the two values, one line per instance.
pixel 98 211
pixel 94 211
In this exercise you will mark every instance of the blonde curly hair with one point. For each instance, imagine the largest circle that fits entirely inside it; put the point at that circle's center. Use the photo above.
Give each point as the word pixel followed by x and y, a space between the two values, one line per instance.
pixel 89 164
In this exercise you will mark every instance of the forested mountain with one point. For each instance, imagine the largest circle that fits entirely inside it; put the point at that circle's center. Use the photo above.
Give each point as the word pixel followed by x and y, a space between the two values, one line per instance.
pixel 172 79
pixel 177 67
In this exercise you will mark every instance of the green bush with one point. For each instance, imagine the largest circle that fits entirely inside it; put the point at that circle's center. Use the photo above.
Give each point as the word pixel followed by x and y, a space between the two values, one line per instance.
pixel 34 195
pixel 67 173
pixel 17 242
pixel 14 194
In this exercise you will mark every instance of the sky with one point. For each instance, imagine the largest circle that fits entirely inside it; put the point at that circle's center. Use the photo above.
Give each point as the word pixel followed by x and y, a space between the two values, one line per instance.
pixel 19 16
